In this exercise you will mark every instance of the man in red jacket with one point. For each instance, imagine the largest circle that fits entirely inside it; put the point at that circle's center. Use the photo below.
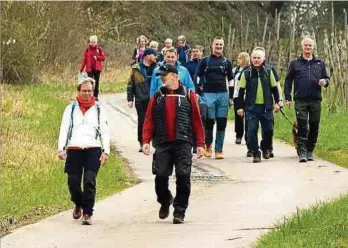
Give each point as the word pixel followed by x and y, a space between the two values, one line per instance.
pixel 92 61
pixel 171 118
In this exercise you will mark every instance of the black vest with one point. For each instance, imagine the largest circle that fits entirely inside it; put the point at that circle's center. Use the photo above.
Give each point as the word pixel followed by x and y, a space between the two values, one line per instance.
pixel 183 115
pixel 251 76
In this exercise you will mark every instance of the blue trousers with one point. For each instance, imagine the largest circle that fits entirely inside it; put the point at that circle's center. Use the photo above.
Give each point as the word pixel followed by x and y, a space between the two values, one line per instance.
pixel 265 117
pixel 217 104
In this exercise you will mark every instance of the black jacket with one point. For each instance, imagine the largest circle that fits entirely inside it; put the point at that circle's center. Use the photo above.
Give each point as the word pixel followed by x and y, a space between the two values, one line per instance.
pixel 306 75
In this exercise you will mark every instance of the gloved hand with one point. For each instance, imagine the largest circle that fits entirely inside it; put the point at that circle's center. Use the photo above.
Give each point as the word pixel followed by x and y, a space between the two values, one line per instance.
pixel 130 104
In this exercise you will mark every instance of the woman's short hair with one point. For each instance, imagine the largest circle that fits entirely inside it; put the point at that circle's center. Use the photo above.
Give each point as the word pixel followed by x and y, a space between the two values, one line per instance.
pixel 86 81
pixel 245 57
pixel 153 44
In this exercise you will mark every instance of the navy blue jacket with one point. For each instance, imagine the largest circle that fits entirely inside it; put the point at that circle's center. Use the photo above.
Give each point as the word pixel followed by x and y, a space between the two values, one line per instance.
pixel 192 66
pixel 183 54
pixel 306 75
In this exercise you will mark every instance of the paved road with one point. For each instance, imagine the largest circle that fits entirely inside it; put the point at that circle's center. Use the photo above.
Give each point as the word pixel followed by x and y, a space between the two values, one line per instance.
pixel 233 201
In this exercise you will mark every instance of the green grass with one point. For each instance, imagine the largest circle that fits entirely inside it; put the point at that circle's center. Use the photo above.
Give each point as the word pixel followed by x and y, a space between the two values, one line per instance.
pixel 324 225
pixel 332 142
pixel 33 183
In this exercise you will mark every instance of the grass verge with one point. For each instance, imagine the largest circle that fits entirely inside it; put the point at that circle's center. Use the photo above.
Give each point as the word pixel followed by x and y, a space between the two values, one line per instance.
pixel 33 183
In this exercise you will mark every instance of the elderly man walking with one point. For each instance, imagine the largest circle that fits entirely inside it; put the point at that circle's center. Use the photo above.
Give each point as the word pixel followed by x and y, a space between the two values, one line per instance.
pixel 173 119
pixel 309 75
pixel 258 84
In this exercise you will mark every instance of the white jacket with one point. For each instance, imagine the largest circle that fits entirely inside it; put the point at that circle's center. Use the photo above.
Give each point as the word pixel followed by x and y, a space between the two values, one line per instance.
pixel 234 81
pixel 84 128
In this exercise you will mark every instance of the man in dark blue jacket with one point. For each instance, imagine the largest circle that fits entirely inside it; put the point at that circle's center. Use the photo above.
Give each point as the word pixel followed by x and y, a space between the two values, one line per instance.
pixel 183 50
pixel 309 75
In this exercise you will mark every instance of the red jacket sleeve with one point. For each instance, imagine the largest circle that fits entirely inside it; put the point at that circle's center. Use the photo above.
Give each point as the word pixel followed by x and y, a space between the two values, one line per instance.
pixel 148 128
pixel 84 62
pixel 197 124
pixel 101 55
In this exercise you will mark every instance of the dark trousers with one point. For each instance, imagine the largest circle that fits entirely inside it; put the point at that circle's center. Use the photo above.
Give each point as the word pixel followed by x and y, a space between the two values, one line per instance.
pixel 141 108
pixel 238 124
pixel 259 114
pixel 270 147
pixel 168 154
pixel 83 164
pixel 307 111
pixel 95 75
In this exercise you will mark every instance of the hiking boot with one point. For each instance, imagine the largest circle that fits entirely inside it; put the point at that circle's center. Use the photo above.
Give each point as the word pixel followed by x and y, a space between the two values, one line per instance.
pixel 249 154
pixel 208 151
pixel 302 157
pixel 257 158
pixel 219 155
pixel 178 220
pixel 265 154
pixel 86 220
pixel 271 154
pixel 164 210
pixel 310 156
pixel 77 213
pixel 238 141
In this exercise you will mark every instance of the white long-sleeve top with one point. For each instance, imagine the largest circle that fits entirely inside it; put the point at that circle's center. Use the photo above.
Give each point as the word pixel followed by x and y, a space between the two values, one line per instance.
pixel 84 128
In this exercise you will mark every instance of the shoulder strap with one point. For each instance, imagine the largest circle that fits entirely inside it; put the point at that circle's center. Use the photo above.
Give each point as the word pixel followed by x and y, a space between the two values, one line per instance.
pixel 98 133
pixel 187 93
pixel 71 125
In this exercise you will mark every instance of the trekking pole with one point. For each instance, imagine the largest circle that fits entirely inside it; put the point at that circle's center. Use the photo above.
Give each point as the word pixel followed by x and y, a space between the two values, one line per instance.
pixel 287 118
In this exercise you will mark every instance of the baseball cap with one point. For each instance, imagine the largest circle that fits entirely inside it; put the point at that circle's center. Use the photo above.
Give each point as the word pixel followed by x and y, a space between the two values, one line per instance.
pixel 149 51
pixel 165 69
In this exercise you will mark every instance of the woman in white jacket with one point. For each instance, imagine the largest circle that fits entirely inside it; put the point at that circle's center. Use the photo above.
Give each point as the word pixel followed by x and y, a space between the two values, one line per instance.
pixel 84 144
pixel 243 61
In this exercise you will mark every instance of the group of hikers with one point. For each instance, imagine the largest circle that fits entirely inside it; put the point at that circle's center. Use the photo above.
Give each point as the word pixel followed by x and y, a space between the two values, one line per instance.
pixel 179 96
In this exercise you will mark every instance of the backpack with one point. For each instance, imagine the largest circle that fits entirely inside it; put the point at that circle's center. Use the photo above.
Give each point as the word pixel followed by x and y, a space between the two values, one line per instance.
pixel 223 62
pixel 71 125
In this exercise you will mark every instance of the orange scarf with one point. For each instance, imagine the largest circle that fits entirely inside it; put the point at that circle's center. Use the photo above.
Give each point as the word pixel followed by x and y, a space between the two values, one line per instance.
pixel 85 104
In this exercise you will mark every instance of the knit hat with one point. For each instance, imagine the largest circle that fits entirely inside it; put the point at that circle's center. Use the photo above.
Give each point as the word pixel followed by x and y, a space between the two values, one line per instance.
pixel 93 38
